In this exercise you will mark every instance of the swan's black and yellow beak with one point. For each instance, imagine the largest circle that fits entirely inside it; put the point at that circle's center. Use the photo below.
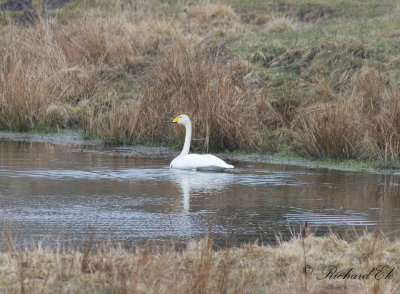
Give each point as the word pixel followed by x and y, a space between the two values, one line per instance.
pixel 175 120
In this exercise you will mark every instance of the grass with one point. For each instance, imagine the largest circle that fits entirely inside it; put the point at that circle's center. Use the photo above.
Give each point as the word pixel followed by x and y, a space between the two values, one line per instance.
pixel 319 76
pixel 201 268
pixel 285 155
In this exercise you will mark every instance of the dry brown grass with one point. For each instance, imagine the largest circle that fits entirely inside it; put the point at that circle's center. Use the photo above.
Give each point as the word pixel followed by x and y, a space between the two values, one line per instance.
pixel 211 14
pixel 200 269
pixel 362 122
pixel 333 130
pixel 280 24
pixel 50 66
pixel 36 73
pixel 61 74
pixel 380 101
pixel 24 89
pixel 223 112
pixel 212 94
pixel 114 121
pixel 120 73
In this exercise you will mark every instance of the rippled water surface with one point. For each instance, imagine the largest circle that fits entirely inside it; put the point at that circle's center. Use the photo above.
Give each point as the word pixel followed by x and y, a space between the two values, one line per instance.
pixel 66 193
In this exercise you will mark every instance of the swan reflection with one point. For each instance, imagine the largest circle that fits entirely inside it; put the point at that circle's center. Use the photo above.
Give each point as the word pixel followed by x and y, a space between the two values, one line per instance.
pixel 194 182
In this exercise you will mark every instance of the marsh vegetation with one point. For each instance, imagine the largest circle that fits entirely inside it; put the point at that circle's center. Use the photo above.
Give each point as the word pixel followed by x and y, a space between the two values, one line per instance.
pixel 320 77
pixel 372 261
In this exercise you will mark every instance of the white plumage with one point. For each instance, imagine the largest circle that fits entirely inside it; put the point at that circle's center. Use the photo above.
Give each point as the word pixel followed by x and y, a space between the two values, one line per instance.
pixel 185 160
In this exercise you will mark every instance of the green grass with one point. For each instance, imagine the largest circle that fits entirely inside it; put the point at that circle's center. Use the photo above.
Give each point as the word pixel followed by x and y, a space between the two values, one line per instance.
pixel 287 156
pixel 347 10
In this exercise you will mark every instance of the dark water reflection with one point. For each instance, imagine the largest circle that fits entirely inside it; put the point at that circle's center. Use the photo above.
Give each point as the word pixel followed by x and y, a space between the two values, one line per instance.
pixel 66 193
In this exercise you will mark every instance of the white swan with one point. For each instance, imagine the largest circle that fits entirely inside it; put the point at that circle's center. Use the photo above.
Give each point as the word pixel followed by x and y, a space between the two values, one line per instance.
pixel 195 161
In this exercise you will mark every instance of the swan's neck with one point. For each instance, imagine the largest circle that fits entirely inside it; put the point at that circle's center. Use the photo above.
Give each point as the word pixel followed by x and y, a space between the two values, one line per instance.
pixel 188 137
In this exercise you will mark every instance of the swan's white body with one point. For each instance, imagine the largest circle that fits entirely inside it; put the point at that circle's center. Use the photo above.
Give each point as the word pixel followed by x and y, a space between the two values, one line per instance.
pixel 195 161
pixel 199 162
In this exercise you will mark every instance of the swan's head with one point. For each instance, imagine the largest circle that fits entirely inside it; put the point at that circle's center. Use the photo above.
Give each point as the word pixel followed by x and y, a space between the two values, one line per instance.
pixel 182 119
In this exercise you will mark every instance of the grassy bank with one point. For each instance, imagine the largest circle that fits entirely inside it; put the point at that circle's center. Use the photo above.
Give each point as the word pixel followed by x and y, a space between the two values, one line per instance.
pixel 318 76
pixel 201 269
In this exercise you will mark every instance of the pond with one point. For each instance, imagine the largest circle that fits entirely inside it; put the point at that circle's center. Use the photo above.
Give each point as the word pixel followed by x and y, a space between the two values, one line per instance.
pixel 68 193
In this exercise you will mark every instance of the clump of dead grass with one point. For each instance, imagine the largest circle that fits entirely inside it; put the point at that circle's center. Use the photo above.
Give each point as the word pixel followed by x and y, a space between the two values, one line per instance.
pixel 114 121
pixel 360 123
pixel 280 24
pixel 381 100
pixel 50 68
pixel 223 112
pixel 216 13
pixel 199 268
pixel 333 130
pixel 206 19
pixel 25 84
pixel 213 94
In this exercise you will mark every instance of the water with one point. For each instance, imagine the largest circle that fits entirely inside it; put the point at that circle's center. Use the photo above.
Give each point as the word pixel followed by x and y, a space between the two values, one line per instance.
pixel 67 193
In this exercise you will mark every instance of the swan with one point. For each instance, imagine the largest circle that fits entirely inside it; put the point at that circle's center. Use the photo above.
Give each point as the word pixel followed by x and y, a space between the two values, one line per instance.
pixel 195 161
